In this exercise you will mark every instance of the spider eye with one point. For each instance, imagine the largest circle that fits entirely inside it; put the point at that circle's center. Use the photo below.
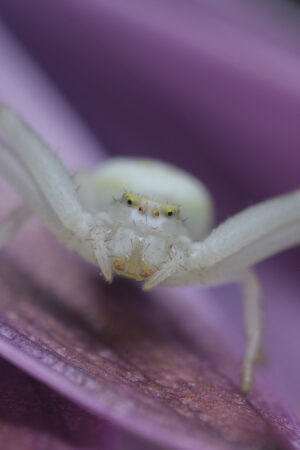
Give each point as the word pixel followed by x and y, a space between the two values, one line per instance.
pixel 131 199
pixel 169 210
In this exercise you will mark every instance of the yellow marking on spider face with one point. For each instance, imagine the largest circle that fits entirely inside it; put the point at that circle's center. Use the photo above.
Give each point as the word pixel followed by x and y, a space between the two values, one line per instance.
pixel 146 271
pixel 169 210
pixel 132 199
pixel 159 207
pixel 119 264
pixel 132 267
pixel 129 269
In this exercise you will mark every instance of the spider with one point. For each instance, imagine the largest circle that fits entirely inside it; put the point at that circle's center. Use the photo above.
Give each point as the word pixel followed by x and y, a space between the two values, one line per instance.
pixel 143 233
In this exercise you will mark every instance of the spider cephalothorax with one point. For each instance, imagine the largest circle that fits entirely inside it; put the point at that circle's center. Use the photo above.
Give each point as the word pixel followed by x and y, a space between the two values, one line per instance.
pixel 144 235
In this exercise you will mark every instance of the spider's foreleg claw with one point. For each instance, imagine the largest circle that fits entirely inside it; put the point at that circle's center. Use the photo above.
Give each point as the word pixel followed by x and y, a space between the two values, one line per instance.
pixel 98 237
pixel 166 271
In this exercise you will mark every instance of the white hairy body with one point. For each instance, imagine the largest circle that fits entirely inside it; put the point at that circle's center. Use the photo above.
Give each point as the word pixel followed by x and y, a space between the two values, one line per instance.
pixel 146 220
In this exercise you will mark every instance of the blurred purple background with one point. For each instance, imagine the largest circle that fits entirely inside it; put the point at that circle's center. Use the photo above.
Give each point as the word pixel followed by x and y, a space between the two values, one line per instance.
pixel 212 86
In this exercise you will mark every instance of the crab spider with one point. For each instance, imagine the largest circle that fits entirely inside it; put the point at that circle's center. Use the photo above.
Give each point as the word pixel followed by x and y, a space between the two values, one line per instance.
pixel 142 234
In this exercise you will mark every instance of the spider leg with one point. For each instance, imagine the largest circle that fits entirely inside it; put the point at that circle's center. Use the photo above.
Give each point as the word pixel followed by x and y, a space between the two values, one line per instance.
pixel 15 174
pixel 249 237
pixel 46 170
pixel 243 240
pixel 253 324
pixel 13 171
pixel 227 253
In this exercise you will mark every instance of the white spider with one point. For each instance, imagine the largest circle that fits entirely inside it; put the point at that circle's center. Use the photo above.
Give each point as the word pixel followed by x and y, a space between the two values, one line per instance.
pixel 139 234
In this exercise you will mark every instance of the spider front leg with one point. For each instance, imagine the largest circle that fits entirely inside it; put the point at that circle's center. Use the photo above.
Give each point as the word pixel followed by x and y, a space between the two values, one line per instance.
pixel 46 171
pixel 12 170
pixel 48 190
pixel 227 253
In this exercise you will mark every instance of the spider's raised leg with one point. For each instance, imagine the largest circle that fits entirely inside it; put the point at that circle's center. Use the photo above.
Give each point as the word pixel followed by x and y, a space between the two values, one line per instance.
pixel 44 184
pixel 46 170
pixel 237 244
pixel 15 174
pixel 34 201
pixel 247 238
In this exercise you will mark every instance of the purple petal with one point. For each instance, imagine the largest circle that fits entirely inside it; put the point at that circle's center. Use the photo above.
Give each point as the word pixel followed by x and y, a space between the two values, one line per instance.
pixel 34 417
pixel 115 352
